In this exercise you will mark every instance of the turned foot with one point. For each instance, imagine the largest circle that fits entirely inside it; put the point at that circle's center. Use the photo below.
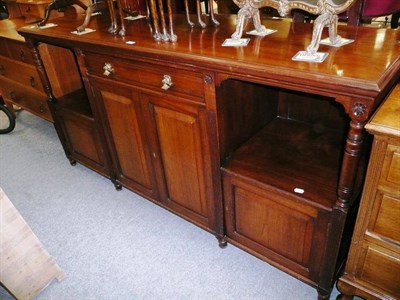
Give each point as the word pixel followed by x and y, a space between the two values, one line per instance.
pixel 344 297
pixel 323 295
pixel 118 187
pixel 72 161
pixel 222 243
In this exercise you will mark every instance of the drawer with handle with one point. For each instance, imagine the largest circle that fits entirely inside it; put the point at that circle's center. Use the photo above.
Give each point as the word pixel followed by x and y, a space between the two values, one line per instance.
pixel 20 52
pixel 159 78
pixel 21 73
pixel 26 97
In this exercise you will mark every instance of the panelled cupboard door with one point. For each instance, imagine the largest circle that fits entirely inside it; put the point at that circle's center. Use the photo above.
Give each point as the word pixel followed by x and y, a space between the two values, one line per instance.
pixel 284 231
pixel 82 140
pixel 126 136
pixel 181 150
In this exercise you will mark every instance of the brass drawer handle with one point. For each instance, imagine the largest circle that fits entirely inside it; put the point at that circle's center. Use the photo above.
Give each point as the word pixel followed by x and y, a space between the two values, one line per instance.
pixel 22 55
pixel 108 69
pixel 41 108
pixel 166 82
pixel 32 81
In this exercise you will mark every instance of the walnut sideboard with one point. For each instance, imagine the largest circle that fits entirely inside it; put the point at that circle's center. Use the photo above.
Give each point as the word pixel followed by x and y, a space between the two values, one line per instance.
pixel 19 81
pixel 263 152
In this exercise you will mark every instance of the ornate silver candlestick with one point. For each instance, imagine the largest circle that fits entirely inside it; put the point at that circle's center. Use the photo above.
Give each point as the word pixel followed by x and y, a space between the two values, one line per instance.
pixel 326 9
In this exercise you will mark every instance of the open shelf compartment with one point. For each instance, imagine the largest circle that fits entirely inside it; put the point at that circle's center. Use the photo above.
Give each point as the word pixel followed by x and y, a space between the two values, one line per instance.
pixel 76 102
pixel 291 141
pixel 281 156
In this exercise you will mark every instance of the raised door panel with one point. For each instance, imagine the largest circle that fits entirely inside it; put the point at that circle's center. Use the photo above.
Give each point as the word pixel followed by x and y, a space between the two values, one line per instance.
pixel 126 137
pixel 282 230
pixel 83 141
pixel 273 225
pixel 181 141
pixel 179 137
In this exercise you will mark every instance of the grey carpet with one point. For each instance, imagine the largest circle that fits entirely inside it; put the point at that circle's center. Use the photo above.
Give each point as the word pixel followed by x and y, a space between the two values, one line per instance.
pixel 117 245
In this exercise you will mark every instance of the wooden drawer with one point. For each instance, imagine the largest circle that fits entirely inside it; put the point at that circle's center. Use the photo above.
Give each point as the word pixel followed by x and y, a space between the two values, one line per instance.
pixel 32 10
pixel 384 222
pixel 186 83
pixel 19 52
pixel 390 176
pixel 28 98
pixel 386 264
pixel 21 73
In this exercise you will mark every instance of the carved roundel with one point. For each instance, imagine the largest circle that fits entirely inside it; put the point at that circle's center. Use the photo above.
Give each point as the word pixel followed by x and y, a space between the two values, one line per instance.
pixel 359 109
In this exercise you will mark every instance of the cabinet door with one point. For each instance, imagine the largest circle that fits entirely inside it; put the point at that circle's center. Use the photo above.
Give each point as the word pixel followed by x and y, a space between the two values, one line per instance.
pixel 279 227
pixel 126 136
pixel 181 150
pixel 81 140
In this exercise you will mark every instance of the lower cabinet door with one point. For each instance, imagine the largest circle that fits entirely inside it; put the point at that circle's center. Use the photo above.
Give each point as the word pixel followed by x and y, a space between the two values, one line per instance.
pixel 121 111
pixel 181 150
pixel 81 140
pixel 281 229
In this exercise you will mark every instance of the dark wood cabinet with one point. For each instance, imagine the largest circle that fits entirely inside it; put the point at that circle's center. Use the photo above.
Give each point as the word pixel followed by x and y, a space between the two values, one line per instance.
pixel 19 80
pixel 262 151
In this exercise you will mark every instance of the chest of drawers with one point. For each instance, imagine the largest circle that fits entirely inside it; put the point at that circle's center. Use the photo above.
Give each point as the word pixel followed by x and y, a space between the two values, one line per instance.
pixel 373 265
pixel 19 81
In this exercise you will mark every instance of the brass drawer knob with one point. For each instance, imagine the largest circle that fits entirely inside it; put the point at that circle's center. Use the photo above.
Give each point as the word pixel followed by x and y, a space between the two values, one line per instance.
pixel 108 69
pixel 22 55
pixel 32 81
pixel 166 82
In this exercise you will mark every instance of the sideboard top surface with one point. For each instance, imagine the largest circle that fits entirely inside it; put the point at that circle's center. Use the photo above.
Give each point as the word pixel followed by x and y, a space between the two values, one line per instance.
pixel 365 66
